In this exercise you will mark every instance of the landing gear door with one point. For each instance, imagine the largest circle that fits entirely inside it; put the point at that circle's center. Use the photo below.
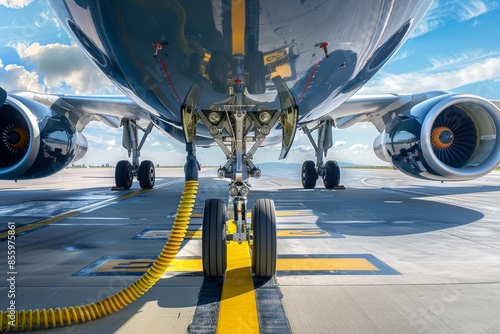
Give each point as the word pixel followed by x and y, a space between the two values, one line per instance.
pixel 289 119
pixel 289 115
pixel 188 113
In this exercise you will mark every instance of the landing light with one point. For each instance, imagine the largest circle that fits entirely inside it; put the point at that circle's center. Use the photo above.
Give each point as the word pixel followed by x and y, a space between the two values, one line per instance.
pixel 214 117
pixel 213 130
pixel 244 191
pixel 265 130
pixel 233 191
pixel 264 117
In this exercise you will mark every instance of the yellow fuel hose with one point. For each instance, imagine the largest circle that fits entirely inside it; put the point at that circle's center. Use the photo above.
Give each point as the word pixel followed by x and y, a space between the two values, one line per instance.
pixel 29 320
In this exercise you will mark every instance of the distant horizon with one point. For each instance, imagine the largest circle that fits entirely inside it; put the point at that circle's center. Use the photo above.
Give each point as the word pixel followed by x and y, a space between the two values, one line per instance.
pixel 340 163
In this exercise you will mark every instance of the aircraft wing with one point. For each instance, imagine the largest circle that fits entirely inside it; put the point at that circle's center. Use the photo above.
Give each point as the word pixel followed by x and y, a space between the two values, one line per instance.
pixel 497 103
pixel 373 108
pixel 41 133
pixel 83 109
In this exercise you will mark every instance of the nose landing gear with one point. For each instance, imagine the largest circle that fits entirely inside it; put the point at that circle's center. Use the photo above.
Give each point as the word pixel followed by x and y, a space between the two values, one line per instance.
pixel 233 123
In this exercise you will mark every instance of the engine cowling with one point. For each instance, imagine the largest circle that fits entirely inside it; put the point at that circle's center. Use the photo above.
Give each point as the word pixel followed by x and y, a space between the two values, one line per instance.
pixel 36 141
pixel 449 137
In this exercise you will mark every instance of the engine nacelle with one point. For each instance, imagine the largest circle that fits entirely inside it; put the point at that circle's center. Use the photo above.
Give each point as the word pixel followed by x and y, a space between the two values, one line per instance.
pixel 449 137
pixel 36 141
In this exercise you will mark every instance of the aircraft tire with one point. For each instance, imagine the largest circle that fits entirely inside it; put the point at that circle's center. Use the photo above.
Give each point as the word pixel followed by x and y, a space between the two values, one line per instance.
pixel 218 69
pixel 213 238
pixel 308 175
pixel 264 249
pixel 257 80
pixel 331 177
pixel 123 174
pixel 147 174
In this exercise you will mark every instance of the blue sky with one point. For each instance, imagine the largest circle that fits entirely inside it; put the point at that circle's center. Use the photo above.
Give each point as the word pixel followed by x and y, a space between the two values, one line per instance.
pixel 455 48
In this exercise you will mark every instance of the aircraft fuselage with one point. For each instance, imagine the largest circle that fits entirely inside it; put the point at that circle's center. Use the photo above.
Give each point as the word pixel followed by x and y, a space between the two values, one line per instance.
pixel 154 51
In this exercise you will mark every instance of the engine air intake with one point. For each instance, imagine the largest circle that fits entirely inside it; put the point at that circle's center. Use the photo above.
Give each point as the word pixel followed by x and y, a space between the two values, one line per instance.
pixel 453 137
pixel 14 137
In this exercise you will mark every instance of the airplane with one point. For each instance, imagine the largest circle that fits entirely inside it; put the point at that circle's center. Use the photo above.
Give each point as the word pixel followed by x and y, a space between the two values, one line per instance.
pixel 240 75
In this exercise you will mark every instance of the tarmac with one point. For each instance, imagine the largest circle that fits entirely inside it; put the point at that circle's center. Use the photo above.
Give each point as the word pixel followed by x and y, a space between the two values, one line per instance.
pixel 388 254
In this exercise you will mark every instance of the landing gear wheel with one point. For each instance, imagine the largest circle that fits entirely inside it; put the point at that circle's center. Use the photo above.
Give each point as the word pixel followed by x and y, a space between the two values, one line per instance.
pixel 146 174
pixel 218 68
pixel 309 175
pixel 213 238
pixel 123 174
pixel 257 80
pixel 331 177
pixel 264 250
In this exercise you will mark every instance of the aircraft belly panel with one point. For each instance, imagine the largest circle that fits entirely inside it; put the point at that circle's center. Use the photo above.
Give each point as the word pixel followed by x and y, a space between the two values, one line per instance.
pixel 324 50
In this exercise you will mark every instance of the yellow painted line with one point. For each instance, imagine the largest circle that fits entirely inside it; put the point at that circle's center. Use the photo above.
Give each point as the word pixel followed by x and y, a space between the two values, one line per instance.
pixel 314 264
pixel 240 271
pixel 166 234
pixel 288 213
pixel 238 26
pixel 73 213
pixel 42 223
pixel 303 233
pixel 142 265
pixel 238 306
pixel 184 265
pixel 193 235
pixel 308 233
pixel 293 213
pixel 278 214
pixel 80 210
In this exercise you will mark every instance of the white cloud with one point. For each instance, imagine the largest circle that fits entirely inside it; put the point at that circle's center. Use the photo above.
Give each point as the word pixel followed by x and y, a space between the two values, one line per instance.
pixel 302 149
pixel 425 26
pixel 65 65
pixel 17 4
pixel 446 11
pixel 359 153
pixel 45 17
pixel 17 77
pixel 271 148
pixel 488 69
pixel 401 56
pixel 339 143
pixel 442 61
pixel 472 9
pixel 358 147
pixel 54 68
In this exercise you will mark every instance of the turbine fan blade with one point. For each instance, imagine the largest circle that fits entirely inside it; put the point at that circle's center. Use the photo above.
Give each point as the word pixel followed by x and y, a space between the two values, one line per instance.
pixel 465 136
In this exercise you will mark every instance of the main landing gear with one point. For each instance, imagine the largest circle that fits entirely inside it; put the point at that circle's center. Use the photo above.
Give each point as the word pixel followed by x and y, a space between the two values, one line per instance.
pixel 126 171
pixel 234 123
pixel 329 171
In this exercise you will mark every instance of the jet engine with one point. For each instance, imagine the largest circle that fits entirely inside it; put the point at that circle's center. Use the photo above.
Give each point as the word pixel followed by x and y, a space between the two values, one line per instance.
pixel 36 141
pixel 448 137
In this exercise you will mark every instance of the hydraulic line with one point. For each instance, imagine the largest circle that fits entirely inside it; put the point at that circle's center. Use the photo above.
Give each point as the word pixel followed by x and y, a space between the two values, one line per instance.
pixel 29 320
